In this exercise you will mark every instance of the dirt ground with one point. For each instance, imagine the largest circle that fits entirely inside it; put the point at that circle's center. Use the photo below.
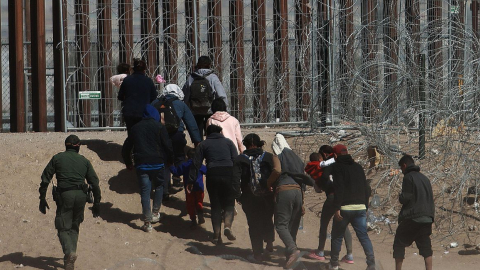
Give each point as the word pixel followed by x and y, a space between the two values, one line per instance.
pixel 115 241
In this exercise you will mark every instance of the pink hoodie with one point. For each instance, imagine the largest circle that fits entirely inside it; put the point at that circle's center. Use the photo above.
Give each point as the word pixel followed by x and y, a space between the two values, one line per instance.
pixel 230 126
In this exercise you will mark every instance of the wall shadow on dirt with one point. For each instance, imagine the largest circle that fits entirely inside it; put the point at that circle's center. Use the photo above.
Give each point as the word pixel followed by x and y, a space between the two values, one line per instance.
pixel 180 205
pixel 228 251
pixel 178 227
pixel 125 182
pixel 42 262
pixel 116 215
pixel 106 150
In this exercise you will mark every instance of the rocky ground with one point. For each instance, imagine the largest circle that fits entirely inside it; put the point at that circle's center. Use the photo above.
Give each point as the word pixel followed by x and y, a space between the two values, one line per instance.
pixel 114 240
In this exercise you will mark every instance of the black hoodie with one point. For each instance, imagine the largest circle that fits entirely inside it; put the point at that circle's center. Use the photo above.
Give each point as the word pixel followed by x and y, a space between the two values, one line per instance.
pixel 349 182
pixel 217 150
pixel 417 196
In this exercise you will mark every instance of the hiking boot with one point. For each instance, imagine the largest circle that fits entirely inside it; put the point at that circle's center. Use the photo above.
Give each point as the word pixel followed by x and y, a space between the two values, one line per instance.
pixel 147 227
pixel 201 218
pixel 217 241
pixel 155 217
pixel 255 258
pixel 193 225
pixel 348 259
pixel 69 261
pixel 292 259
pixel 228 233
pixel 269 247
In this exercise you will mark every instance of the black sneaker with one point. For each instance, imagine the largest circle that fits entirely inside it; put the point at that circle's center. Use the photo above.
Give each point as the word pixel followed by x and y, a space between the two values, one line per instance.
pixel 228 233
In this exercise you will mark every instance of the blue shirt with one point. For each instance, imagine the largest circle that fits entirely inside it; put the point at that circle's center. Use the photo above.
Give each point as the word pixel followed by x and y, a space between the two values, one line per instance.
pixel 184 169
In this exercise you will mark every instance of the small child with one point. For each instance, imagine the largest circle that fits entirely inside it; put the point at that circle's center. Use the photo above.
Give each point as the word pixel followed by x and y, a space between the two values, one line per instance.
pixel 123 70
pixel 315 167
pixel 194 199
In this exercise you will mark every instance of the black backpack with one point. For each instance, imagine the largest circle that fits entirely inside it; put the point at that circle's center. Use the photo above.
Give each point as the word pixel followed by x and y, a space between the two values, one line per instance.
pixel 168 115
pixel 258 175
pixel 201 94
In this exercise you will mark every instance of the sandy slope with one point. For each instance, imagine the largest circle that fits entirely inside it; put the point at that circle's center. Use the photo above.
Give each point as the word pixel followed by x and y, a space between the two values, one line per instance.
pixel 115 241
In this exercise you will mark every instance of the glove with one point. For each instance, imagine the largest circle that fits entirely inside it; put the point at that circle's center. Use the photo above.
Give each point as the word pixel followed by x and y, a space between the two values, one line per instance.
pixel 96 210
pixel 43 206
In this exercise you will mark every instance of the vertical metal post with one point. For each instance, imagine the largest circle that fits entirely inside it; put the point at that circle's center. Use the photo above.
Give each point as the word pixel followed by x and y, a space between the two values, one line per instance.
pixel 332 39
pixel 39 84
pixel 125 29
pixel 237 77
pixel 195 31
pixel 17 95
pixel 214 11
pixel 259 59
pixel 170 43
pixel 59 65
pixel 280 21
pixel 421 124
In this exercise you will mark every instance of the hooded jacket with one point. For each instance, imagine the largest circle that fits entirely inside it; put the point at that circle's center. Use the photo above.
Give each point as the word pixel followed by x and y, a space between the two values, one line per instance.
pixel 417 195
pixel 136 91
pixel 349 182
pixel 149 140
pixel 230 128
pixel 217 87
pixel 216 150
pixel 292 165
pixel 173 92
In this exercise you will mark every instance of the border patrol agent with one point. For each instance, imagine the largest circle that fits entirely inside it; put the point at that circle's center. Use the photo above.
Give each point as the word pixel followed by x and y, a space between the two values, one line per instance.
pixel 71 170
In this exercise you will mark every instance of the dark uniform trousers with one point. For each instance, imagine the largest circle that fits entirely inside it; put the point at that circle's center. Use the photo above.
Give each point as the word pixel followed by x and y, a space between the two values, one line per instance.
pixel 69 215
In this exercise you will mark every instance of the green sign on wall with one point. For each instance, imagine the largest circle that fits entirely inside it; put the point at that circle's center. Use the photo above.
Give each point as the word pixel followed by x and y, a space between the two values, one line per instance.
pixel 89 95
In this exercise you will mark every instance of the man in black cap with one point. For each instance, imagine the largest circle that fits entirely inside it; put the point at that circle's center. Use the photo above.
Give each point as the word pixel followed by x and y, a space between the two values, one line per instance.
pixel 70 194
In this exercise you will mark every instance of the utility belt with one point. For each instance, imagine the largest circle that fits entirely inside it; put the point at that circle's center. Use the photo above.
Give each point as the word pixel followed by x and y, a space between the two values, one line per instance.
pixel 78 187
pixel 57 191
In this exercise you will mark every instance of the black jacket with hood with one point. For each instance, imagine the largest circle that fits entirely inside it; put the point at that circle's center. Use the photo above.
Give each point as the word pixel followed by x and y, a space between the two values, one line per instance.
pixel 349 182
pixel 417 195
pixel 217 150
pixel 149 140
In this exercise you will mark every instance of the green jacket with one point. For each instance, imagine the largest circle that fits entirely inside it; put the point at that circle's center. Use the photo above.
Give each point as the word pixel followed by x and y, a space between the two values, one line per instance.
pixel 71 169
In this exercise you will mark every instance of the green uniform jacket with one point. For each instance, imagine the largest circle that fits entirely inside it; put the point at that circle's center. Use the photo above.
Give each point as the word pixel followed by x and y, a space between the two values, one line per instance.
pixel 71 170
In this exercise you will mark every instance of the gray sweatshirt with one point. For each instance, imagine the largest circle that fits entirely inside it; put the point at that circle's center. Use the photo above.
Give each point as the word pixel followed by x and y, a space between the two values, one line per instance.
pixel 214 81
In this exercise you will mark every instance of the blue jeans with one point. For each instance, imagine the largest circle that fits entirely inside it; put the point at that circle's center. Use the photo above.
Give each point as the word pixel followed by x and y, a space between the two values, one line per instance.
pixel 358 219
pixel 148 180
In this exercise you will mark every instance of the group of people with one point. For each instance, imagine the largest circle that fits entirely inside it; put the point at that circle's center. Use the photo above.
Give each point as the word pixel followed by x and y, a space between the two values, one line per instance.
pixel 268 186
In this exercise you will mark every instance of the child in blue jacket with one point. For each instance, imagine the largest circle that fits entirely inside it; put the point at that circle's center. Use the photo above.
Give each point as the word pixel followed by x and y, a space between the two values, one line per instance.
pixel 194 199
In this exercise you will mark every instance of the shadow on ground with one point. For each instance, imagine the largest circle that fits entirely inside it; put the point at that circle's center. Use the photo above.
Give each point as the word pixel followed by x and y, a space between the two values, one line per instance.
pixel 115 215
pixel 469 252
pixel 125 182
pixel 107 151
pixel 178 227
pixel 41 262
pixel 180 205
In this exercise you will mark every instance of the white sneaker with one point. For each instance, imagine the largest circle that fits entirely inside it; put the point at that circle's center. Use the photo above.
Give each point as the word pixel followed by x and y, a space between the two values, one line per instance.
pixel 156 218
pixel 147 227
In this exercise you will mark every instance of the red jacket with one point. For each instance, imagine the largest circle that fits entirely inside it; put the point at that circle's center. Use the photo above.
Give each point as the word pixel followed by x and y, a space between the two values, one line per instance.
pixel 313 169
